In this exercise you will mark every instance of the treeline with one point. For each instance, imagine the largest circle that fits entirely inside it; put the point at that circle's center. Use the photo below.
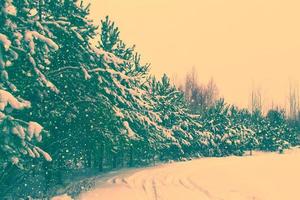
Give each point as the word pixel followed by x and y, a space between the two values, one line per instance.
pixel 66 104
pixel 240 129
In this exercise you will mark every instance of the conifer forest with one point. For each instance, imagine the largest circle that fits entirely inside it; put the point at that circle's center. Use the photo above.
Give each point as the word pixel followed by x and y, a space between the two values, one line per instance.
pixel 76 101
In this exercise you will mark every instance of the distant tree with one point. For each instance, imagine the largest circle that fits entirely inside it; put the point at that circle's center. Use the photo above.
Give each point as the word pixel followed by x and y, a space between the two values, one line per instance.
pixel 273 132
pixel 256 101
pixel 293 101
pixel 200 97
pixel 212 92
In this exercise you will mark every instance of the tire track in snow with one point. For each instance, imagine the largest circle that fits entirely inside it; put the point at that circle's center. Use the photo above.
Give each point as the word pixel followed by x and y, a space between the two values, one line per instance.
pixel 206 192
pixel 184 183
pixel 154 189
pixel 150 183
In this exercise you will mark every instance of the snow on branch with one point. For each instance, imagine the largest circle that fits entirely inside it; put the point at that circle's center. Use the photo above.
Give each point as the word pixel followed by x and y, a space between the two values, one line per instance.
pixel 108 57
pixel 9 8
pixel 7 98
pixel 45 81
pixel 31 35
pixel 5 41
pixel 112 71
pixel 130 132
pixel 34 129
pixel 44 154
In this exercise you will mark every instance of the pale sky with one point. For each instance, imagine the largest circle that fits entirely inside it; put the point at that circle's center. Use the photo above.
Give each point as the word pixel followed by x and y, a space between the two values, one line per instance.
pixel 240 43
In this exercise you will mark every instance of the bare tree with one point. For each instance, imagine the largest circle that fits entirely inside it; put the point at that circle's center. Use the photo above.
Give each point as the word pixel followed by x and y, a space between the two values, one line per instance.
pixel 212 92
pixel 191 83
pixel 293 101
pixel 199 96
pixel 256 100
pixel 174 79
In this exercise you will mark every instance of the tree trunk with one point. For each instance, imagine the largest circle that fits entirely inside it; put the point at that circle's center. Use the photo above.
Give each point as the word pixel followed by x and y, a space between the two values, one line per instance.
pixel 114 163
pixel 101 158
pixel 89 158
pixel 131 157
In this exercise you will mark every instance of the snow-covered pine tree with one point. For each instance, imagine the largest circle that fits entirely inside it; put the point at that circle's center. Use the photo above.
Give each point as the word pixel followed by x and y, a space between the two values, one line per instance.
pixel 241 119
pixel 75 112
pixel 230 133
pixel 24 47
pixel 50 41
pixel 216 121
pixel 183 127
pixel 123 81
pixel 272 132
pixel 274 138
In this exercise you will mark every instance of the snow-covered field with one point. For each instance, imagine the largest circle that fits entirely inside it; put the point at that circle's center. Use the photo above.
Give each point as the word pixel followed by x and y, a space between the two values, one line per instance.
pixel 264 176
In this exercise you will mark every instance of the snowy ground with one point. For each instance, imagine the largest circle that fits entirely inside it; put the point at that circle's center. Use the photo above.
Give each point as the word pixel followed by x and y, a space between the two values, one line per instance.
pixel 264 176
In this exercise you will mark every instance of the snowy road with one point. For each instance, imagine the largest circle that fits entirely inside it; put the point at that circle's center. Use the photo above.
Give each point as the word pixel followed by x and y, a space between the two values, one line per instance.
pixel 264 176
